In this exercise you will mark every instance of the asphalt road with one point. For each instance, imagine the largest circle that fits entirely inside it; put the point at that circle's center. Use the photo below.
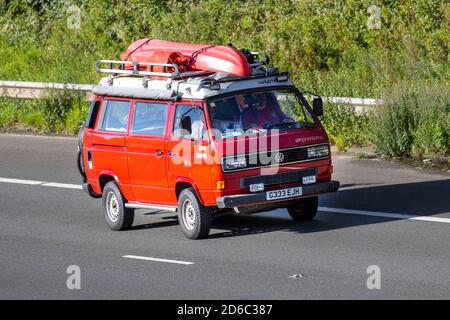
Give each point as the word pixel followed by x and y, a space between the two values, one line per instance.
pixel 43 230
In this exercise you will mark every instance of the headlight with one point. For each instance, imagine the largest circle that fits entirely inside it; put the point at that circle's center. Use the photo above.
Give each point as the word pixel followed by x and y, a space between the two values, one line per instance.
pixel 232 163
pixel 318 151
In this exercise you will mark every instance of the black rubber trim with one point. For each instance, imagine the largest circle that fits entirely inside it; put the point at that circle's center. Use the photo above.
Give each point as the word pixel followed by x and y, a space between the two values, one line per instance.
pixel 260 198
pixel 88 189
pixel 279 178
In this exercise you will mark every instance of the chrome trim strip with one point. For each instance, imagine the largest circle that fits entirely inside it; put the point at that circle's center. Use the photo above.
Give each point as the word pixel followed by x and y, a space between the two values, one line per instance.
pixel 139 205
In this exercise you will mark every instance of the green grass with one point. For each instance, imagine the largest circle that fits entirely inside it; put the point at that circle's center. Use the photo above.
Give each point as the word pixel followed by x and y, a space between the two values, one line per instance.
pixel 344 126
pixel 325 45
pixel 59 112
pixel 414 121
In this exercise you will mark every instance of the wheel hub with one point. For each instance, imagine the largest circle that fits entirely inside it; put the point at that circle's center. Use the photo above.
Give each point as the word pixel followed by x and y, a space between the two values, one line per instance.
pixel 112 207
pixel 188 214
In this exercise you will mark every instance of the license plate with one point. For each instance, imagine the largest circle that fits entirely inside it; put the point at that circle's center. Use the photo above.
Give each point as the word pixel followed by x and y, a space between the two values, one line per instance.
pixel 284 193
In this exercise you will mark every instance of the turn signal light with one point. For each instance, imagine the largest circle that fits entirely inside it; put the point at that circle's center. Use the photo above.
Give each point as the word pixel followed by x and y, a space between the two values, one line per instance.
pixel 220 185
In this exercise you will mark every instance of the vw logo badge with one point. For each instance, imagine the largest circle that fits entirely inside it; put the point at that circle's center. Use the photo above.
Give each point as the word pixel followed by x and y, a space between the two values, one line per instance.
pixel 279 157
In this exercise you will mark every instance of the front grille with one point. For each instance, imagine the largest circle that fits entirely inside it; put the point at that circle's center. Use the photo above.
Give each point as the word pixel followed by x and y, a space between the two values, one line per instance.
pixel 269 158
pixel 275 157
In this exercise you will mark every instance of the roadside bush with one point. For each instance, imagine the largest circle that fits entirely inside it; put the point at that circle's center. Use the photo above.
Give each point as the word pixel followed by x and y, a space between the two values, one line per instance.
pixel 7 114
pixel 75 116
pixel 60 112
pixel 61 109
pixel 432 135
pixel 33 119
pixel 344 126
pixel 414 120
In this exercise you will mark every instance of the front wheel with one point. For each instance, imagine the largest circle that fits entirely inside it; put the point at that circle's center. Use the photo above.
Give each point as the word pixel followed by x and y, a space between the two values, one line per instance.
pixel 305 209
pixel 195 219
pixel 118 217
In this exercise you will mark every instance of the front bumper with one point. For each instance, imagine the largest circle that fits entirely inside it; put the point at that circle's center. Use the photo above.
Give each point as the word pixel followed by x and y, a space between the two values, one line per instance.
pixel 241 200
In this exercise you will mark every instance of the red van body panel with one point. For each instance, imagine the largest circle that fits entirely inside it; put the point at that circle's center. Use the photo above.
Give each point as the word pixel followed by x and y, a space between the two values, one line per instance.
pixel 147 161
pixel 185 162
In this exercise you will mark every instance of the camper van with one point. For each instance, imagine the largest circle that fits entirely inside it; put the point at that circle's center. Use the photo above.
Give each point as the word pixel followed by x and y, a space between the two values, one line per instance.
pixel 201 130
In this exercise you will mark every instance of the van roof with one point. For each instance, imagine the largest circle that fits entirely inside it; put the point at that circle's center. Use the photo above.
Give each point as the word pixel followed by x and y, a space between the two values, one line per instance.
pixel 198 88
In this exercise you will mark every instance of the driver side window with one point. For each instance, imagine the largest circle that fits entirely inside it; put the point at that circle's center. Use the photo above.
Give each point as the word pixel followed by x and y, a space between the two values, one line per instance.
pixel 188 122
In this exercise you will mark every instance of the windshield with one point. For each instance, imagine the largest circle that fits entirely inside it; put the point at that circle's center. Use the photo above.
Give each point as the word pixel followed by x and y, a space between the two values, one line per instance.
pixel 257 112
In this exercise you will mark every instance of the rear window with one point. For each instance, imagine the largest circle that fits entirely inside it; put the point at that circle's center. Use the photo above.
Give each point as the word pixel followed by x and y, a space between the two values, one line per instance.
pixel 92 116
pixel 114 117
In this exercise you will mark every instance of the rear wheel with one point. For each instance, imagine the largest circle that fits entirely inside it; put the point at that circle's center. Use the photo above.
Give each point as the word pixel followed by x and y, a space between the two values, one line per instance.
pixel 117 216
pixel 195 219
pixel 305 209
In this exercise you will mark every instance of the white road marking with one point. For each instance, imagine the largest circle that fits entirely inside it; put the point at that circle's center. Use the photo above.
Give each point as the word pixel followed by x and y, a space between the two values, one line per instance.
pixel 158 259
pixel 14 135
pixel 62 185
pixel 42 183
pixel 384 214
pixel 324 209
pixel 20 181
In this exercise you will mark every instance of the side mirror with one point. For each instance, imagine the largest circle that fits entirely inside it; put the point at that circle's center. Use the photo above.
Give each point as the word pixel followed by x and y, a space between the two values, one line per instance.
pixel 186 124
pixel 318 106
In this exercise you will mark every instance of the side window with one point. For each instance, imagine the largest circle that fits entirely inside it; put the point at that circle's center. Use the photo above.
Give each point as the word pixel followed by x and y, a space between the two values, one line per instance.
pixel 114 116
pixel 92 116
pixel 188 122
pixel 149 118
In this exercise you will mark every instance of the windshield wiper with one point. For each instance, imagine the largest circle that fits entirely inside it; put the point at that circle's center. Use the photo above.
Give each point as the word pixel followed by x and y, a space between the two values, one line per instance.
pixel 280 124
pixel 289 123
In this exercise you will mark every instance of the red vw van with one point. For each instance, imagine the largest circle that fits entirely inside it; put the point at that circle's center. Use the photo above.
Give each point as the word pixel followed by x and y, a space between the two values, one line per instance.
pixel 203 137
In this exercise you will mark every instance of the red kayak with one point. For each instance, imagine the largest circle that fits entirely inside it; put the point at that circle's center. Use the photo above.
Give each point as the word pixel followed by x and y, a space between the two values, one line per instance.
pixel 189 57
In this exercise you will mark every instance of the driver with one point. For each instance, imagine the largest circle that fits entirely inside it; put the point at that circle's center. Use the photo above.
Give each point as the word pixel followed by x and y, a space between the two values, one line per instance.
pixel 261 111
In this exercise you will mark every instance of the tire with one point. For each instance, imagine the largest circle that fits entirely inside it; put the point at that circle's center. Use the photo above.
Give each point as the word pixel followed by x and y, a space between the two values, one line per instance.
pixel 80 166
pixel 305 209
pixel 80 163
pixel 195 219
pixel 117 216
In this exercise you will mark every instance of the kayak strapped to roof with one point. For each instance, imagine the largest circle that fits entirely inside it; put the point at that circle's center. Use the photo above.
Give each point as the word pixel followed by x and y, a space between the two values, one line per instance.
pixel 190 57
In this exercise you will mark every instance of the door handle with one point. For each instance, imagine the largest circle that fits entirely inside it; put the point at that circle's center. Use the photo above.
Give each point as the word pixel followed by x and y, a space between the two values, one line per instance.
pixel 159 153
pixel 171 154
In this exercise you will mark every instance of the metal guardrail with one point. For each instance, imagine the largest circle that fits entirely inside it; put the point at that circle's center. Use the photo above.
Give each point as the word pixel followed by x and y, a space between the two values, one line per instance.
pixel 37 90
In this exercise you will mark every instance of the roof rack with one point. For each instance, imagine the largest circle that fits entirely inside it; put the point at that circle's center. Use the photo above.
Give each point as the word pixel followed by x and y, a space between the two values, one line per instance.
pixel 135 71
pixel 256 63
pixel 136 66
